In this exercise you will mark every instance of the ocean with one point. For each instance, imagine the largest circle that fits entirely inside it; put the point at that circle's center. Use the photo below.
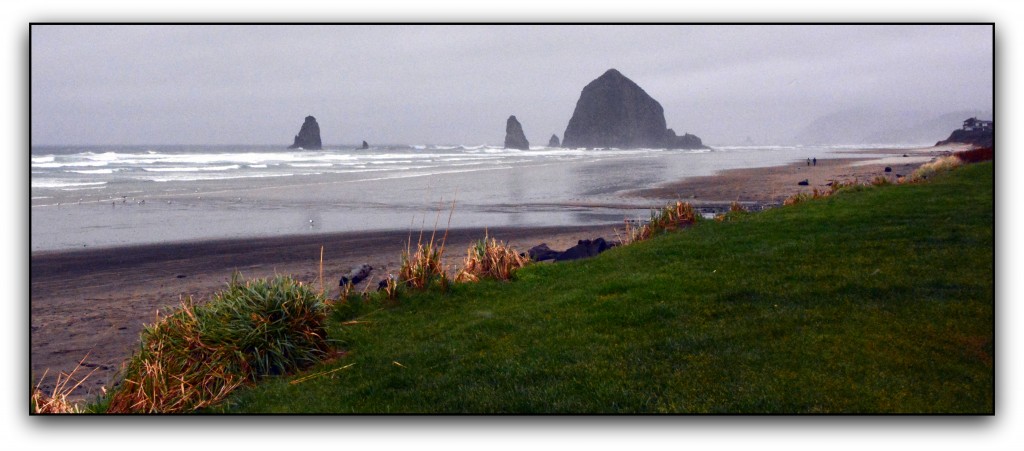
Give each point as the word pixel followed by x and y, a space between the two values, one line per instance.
pixel 92 196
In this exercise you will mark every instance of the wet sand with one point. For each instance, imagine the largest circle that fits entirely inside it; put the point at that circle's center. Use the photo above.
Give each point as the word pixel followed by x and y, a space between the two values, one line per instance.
pixel 94 302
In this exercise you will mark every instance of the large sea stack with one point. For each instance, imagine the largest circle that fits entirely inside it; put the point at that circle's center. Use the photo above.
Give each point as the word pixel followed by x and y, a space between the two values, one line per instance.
pixel 514 136
pixel 615 112
pixel 309 136
pixel 553 142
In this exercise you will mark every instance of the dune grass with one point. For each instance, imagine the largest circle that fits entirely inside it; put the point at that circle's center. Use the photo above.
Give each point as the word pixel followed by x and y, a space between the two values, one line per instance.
pixel 877 300
pixel 198 354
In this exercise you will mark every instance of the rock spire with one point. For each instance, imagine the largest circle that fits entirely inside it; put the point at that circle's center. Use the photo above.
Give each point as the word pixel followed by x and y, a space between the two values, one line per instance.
pixel 514 136
pixel 309 136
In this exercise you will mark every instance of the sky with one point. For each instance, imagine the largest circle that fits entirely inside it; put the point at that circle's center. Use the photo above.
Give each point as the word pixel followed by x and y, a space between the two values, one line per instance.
pixel 457 84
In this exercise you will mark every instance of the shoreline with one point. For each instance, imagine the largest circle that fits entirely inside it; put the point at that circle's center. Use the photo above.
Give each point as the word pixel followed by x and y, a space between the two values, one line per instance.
pixel 93 302
pixel 769 186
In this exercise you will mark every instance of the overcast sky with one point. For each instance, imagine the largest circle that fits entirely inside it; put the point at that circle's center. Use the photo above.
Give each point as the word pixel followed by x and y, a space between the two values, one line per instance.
pixel 199 84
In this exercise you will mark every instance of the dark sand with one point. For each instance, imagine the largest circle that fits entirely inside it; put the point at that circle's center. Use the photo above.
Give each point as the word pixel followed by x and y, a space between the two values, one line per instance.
pixel 94 302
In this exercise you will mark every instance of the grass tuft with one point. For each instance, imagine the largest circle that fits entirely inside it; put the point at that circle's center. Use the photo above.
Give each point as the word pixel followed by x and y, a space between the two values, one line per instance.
pixel 672 217
pixel 199 354
pixel 423 267
pixel 490 259
pixel 930 169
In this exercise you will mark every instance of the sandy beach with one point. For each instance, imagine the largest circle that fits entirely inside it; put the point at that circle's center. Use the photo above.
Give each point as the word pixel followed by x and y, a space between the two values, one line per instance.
pixel 772 185
pixel 92 303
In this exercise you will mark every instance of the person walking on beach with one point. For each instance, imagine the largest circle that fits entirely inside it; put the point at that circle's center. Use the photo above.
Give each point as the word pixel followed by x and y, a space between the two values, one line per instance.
pixel 815 161
pixel 808 161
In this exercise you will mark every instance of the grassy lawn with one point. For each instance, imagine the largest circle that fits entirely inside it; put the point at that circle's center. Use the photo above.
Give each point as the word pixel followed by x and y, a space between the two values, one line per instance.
pixel 877 301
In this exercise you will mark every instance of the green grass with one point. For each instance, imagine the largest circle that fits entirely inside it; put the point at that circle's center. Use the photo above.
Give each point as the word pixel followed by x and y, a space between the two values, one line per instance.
pixel 875 301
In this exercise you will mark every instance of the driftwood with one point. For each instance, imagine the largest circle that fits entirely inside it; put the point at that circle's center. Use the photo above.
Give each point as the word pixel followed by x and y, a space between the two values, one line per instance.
pixel 356 275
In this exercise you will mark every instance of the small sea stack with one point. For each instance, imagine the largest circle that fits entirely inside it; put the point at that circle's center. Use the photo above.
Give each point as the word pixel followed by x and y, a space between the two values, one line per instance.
pixel 553 142
pixel 364 146
pixel 514 136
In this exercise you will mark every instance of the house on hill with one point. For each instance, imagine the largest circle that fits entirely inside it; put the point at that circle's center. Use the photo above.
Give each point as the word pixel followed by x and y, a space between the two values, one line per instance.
pixel 973 124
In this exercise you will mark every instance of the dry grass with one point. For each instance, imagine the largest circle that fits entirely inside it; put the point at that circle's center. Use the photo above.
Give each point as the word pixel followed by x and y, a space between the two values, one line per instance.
pixel 424 266
pixel 57 401
pixel 419 269
pixel 490 259
pixel 943 164
pixel 838 185
pixel 672 217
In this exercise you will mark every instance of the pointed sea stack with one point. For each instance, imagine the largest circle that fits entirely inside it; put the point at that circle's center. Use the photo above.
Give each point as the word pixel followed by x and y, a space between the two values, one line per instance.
pixel 613 111
pixel 514 136
pixel 309 136
pixel 553 142
pixel 364 146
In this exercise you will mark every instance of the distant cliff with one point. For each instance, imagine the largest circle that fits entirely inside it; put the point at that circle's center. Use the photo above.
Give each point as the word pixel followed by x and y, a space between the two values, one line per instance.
pixel 980 138
pixel 309 135
pixel 613 111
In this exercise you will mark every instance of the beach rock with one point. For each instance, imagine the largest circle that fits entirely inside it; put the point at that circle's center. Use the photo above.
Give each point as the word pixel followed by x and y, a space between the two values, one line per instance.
pixel 309 135
pixel 613 111
pixel 364 146
pixel 553 142
pixel 356 275
pixel 514 136
pixel 888 169
pixel 383 284
pixel 584 249
pixel 542 252
pixel 804 182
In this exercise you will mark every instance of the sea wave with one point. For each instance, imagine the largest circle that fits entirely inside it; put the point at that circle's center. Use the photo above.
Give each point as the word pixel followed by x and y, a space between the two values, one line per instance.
pixel 46 183
pixel 69 164
pixel 196 178
pixel 310 165
pixel 193 168
pixel 92 171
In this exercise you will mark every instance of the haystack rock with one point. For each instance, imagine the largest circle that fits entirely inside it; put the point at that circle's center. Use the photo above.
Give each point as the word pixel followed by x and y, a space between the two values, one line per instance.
pixel 553 142
pixel 309 135
pixel 613 111
pixel 514 136
pixel 364 146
